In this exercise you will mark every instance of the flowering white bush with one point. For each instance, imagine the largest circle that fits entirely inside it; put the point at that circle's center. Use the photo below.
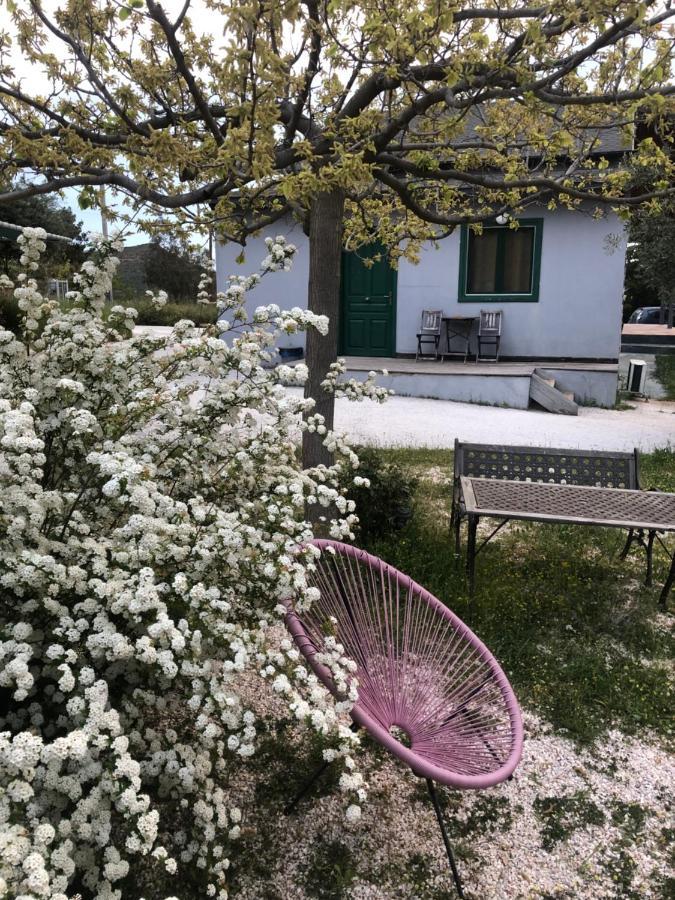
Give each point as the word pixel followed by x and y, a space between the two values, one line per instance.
pixel 151 511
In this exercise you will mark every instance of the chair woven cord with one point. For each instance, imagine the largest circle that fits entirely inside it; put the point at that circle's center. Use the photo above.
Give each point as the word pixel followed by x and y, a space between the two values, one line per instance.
pixel 419 668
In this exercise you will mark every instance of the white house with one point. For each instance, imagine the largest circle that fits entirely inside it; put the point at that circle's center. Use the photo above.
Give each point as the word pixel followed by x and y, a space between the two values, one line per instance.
pixel 558 280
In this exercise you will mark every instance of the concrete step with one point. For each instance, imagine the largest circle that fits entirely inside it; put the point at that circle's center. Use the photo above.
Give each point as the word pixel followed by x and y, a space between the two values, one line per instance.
pixel 647 349
pixel 547 395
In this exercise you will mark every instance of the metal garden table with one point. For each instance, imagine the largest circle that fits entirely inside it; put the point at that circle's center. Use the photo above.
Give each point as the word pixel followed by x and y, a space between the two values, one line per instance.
pixel 458 327
pixel 642 511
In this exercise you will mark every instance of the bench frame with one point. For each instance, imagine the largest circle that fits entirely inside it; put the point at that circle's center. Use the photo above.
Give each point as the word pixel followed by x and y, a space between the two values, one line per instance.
pixel 592 468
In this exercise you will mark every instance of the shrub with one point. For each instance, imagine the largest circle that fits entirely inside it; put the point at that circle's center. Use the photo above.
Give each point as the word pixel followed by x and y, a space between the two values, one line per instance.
pixel 170 313
pixel 151 520
pixel 386 505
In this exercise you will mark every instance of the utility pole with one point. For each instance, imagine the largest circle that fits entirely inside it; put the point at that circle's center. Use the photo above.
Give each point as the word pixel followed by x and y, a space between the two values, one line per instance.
pixel 104 224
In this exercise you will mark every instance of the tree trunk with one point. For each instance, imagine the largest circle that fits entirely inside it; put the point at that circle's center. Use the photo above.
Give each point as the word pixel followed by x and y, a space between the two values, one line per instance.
pixel 325 253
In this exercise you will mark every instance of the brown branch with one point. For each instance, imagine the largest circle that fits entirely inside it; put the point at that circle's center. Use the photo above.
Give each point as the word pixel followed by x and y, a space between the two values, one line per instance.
pixel 86 62
pixel 179 21
pixel 502 14
pixel 560 99
pixel 491 183
pixel 159 16
pixel 422 212
pixel 203 194
pixel 310 72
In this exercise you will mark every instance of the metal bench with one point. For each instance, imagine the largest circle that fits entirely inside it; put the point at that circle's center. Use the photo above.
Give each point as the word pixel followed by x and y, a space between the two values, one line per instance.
pixel 546 465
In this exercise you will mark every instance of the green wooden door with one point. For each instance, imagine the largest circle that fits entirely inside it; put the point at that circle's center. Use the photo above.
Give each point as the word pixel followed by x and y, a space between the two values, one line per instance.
pixel 368 320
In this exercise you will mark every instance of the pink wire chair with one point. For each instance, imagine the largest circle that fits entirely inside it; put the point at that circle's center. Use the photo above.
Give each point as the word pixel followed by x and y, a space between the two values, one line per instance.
pixel 429 690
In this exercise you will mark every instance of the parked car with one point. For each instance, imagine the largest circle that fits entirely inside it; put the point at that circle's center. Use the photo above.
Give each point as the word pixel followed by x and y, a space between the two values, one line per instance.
pixel 646 315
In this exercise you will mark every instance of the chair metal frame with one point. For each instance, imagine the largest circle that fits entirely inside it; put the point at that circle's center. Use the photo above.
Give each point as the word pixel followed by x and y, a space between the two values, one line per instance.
pixel 420 671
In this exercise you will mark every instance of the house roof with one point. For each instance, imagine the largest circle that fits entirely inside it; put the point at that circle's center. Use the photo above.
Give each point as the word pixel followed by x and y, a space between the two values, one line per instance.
pixel 601 139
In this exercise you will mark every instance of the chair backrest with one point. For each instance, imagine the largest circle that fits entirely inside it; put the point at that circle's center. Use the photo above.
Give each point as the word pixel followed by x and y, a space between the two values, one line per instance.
pixel 490 322
pixel 594 468
pixel 431 321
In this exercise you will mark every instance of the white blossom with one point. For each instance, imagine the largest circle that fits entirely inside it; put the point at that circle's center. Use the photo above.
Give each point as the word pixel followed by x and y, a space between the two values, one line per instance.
pixel 152 521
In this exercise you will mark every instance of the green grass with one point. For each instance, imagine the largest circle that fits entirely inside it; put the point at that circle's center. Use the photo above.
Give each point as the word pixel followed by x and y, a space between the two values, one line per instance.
pixel 331 871
pixel 665 373
pixel 563 815
pixel 573 626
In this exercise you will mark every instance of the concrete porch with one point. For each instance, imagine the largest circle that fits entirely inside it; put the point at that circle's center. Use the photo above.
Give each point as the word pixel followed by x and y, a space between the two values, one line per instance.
pixel 505 383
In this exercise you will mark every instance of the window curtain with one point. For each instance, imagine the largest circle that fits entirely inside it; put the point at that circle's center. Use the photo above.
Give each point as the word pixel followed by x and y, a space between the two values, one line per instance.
pixel 517 266
pixel 482 262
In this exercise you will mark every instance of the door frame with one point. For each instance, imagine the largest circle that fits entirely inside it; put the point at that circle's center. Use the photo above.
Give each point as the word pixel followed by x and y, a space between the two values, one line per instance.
pixel 391 346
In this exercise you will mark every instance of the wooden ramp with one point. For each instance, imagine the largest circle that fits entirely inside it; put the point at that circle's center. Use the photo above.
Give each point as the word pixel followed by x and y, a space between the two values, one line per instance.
pixel 543 392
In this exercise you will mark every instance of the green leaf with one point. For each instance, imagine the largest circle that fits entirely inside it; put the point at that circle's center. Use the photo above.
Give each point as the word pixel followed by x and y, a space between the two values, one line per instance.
pixel 136 4
pixel 241 259
pixel 124 13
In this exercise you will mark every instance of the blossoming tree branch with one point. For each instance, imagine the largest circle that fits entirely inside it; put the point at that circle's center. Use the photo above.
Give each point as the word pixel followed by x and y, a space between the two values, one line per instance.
pixel 391 122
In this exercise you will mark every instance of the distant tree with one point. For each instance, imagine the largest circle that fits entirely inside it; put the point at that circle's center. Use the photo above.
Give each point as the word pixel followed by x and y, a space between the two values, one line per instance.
pixel 170 267
pixel 44 211
pixel 637 292
pixel 651 262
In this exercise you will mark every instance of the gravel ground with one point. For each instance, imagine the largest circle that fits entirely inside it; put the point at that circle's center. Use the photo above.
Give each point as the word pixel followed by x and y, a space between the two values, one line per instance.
pixel 414 422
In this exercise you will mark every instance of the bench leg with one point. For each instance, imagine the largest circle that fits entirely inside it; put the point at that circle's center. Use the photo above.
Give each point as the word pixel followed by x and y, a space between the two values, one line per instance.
pixel 629 543
pixel 670 580
pixel 471 552
pixel 650 554
pixel 458 534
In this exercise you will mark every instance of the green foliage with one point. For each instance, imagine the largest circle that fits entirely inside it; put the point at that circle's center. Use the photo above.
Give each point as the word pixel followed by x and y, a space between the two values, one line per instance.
pixel 665 373
pixel 420 872
pixel 9 312
pixel 651 261
pixel 331 871
pixel 43 211
pixel 387 505
pixel 554 604
pixel 563 815
pixel 423 118
pixel 170 313
pixel 170 267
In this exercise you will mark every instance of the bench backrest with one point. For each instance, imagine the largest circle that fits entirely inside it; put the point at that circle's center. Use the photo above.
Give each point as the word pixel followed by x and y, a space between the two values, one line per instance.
pixel 596 468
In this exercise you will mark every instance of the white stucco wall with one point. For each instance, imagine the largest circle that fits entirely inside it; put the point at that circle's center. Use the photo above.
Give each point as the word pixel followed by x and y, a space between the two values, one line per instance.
pixel 286 289
pixel 578 315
